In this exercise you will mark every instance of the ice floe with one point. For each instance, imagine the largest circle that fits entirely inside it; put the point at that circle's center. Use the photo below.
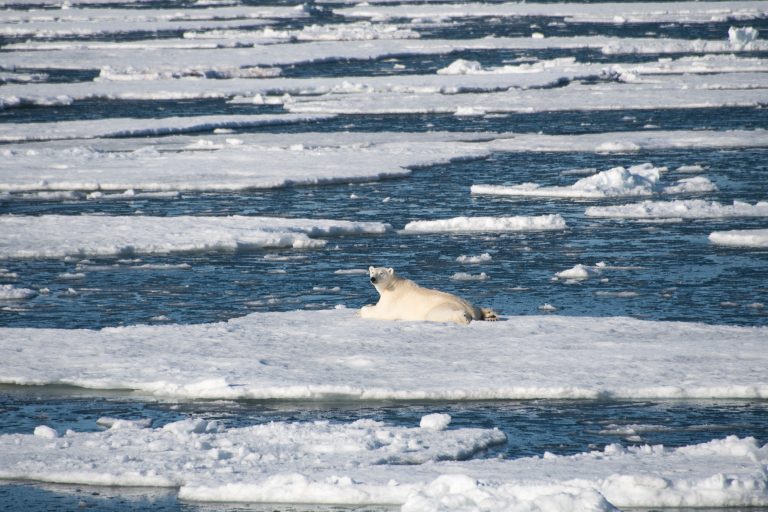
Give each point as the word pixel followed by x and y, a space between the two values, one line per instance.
pixel 126 168
pixel 481 258
pixel 218 162
pixel 637 180
pixel 10 292
pixel 702 91
pixel 604 12
pixel 741 238
pixel 465 276
pixel 131 127
pixel 142 57
pixel 350 464
pixel 622 142
pixel 578 272
pixel 281 355
pixel 683 209
pixel 487 224
pixel 57 236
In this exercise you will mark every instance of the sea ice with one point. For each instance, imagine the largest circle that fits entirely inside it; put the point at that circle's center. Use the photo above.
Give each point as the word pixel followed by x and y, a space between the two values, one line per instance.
pixel 741 238
pixel 221 163
pixel 638 180
pixel 526 357
pixel 130 127
pixel 10 292
pixel 58 236
pixel 482 258
pixel 684 209
pixel 464 276
pixel 603 12
pixel 489 224
pixel 688 91
pixel 578 272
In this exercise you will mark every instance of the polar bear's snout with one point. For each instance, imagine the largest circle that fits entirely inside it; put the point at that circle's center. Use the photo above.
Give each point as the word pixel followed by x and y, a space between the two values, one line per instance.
pixel 373 279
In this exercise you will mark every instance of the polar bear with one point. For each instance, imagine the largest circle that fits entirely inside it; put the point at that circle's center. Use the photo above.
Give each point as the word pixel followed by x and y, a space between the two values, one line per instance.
pixel 402 299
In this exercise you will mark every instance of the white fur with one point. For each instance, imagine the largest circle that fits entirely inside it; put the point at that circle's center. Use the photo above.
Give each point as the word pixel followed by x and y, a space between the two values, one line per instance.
pixel 402 299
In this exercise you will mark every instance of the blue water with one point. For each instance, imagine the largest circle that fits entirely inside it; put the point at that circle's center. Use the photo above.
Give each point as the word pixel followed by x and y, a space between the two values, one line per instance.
pixel 675 272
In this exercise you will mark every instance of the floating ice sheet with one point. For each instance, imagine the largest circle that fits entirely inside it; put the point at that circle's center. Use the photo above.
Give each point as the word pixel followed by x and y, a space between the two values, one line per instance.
pixel 216 162
pixel 14 17
pixel 487 224
pixel 684 209
pixel 325 354
pixel 637 180
pixel 130 56
pixel 57 236
pixel 112 27
pixel 132 127
pixel 461 76
pixel 700 92
pixel 603 12
pixel 741 238
pixel 351 464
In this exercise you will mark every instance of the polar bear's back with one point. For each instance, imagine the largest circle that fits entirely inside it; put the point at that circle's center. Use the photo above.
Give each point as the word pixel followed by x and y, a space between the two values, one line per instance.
pixel 406 300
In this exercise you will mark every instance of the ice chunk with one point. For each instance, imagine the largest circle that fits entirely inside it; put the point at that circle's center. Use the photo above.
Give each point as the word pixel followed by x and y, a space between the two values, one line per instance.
pixel 741 238
pixel 489 224
pixel 435 421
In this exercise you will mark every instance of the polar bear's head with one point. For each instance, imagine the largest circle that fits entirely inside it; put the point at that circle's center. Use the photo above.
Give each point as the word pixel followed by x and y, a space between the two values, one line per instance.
pixel 381 277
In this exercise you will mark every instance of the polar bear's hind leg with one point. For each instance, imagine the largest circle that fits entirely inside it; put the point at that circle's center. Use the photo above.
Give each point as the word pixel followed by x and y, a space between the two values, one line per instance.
pixel 448 313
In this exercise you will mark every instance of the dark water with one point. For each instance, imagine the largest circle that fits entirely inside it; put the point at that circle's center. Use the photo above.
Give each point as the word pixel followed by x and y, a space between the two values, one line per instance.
pixel 672 269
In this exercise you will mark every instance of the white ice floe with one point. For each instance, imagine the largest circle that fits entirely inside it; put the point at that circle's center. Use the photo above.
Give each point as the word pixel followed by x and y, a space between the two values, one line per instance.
pixel 149 167
pixel 741 37
pixel 57 170
pixel 603 12
pixel 359 31
pixel 638 180
pixel 661 92
pixel 579 272
pixel 482 258
pixel 10 292
pixel 741 238
pixel 629 141
pixel 181 453
pixel 132 127
pixel 281 355
pixel 351 464
pixel 58 236
pixel 488 224
pixel 89 28
pixel 143 57
pixel 464 276
pixel 686 209
pixel 255 84
pixel 701 91
pixel 96 15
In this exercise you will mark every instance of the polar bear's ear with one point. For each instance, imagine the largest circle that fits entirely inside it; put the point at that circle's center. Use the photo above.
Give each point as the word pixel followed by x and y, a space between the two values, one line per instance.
pixel 371 269
pixel 390 271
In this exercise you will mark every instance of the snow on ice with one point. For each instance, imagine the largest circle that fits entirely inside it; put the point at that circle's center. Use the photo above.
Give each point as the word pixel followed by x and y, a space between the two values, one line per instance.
pixel 603 12
pixel 351 464
pixel 490 224
pixel 195 163
pixel 58 236
pixel 685 209
pixel 638 180
pixel 741 238
pixel 320 462
pixel 142 57
pixel 130 127
pixel 518 358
